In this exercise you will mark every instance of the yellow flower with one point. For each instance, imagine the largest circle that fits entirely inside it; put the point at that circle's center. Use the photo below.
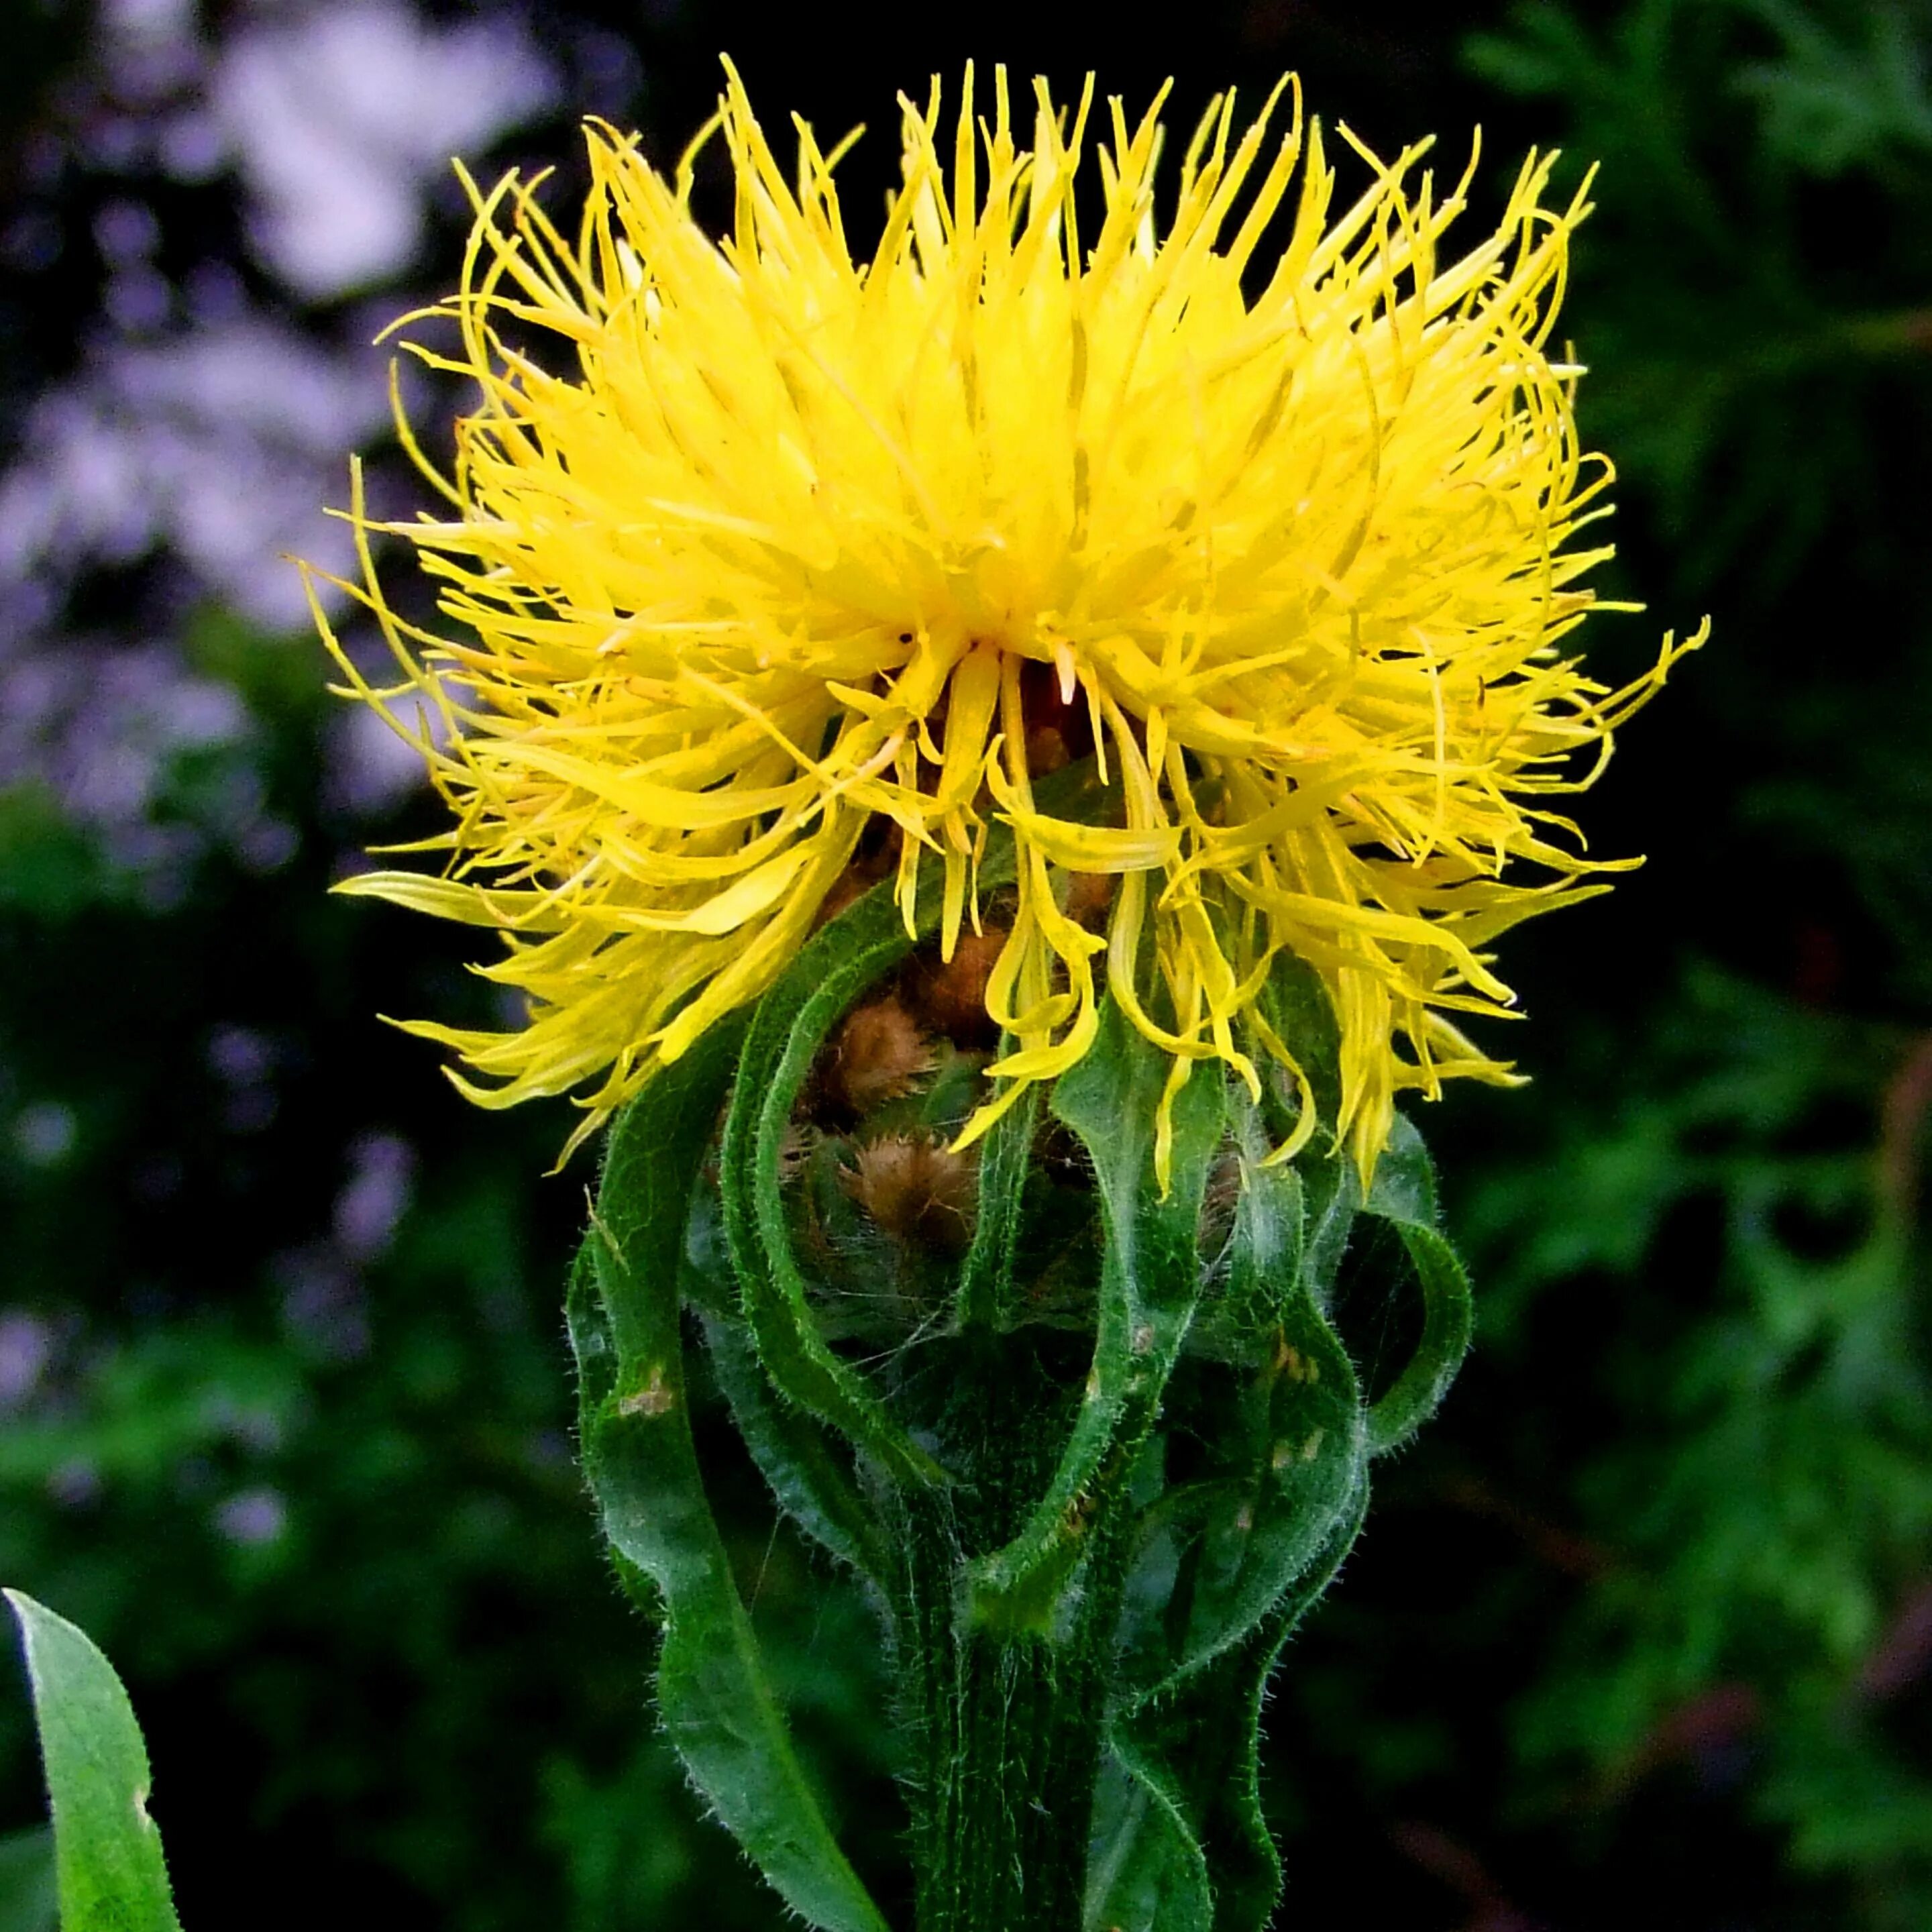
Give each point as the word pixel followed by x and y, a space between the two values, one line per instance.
pixel 752 545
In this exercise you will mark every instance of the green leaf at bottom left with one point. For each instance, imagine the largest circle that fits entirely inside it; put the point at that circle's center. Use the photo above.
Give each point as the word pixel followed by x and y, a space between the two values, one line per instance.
pixel 107 1852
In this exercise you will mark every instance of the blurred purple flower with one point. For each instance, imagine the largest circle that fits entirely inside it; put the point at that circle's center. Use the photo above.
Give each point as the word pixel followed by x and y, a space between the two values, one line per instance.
pixel 341 117
pixel 26 1347
pixel 252 1517
pixel 75 1484
pixel 323 1303
pixel 216 445
pixel 372 1203
pixel 218 442
pixel 45 1132
pixel 100 726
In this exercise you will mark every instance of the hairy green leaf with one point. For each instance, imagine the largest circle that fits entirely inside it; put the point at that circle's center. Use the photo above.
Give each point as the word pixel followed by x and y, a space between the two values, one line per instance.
pixel 1181 1843
pixel 1295 1440
pixel 1151 1282
pixel 1404 1195
pixel 850 952
pixel 791 1020
pixel 811 1479
pixel 717 1706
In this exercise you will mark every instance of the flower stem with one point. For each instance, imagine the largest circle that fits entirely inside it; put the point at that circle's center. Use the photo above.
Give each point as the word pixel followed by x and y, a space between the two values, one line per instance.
pixel 1008 1813
pixel 1009 1722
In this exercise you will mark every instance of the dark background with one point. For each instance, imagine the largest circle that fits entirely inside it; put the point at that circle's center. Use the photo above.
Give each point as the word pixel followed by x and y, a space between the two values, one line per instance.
pixel 1641 1633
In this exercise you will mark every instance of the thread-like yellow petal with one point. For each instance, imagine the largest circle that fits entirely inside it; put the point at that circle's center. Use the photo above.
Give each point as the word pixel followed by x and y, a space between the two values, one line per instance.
pixel 748 543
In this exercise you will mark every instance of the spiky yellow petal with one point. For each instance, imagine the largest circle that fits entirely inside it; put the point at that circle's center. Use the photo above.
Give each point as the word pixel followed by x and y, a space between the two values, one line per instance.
pixel 756 543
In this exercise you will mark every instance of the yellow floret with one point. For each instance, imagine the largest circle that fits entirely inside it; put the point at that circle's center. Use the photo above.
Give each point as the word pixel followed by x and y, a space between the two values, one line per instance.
pixel 752 544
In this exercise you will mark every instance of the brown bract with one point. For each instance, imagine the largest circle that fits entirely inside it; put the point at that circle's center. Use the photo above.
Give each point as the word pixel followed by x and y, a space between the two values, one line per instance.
pixel 879 1053
pixel 915 1189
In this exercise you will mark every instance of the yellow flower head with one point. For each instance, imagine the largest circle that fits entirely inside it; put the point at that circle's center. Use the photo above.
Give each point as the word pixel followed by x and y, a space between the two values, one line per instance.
pixel 752 545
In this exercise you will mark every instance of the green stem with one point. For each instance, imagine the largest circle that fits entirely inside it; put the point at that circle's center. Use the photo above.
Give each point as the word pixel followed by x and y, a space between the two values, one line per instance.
pixel 1015 1754
pixel 1008 1723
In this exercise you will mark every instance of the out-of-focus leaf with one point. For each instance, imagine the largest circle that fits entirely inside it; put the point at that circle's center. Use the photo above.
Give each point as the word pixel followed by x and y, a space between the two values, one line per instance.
pixel 107 1850
pixel 1836 100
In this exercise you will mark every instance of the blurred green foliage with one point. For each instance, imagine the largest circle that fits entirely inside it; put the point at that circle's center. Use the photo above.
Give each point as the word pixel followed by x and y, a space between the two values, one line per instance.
pixel 1758 1528
pixel 1644 1626
pixel 1753 267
